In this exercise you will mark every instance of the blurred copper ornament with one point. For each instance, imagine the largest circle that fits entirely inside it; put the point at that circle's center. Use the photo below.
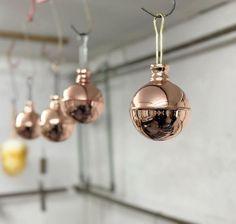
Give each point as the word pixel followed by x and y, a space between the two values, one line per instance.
pixel 27 122
pixel 55 125
pixel 160 109
pixel 83 101
pixel 13 156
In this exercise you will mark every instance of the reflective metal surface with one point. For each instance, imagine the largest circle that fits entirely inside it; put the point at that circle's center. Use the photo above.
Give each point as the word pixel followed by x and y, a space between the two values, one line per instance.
pixel 27 122
pixel 160 109
pixel 83 101
pixel 55 125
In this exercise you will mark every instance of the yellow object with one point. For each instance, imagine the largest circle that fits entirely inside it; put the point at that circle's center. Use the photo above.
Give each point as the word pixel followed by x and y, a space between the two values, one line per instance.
pixel 14 156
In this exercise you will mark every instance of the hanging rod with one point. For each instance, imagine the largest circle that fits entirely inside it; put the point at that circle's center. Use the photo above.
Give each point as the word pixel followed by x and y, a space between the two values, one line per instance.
pixel 174 49
pixel 33 193
pixel 86 179
pixel 112 200
pixel 96 194
pixel 32 37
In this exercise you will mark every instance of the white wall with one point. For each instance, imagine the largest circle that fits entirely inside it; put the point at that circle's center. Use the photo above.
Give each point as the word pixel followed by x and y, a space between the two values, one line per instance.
pixel 62 158
pixel 191 177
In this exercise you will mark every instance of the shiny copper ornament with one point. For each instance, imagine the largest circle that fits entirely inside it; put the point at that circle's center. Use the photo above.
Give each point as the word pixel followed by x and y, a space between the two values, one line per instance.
pixel 160 109
pixel 83 101
pixel 13 156
pixel 27 123
pixel 55 125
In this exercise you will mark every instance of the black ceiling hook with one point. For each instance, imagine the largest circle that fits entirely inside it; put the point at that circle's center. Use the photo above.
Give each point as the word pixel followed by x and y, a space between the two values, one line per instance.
pixel 164 14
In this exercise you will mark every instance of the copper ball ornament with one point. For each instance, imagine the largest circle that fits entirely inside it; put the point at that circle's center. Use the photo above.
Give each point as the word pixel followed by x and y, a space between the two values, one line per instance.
pixel 159 109
pixel 27 123
pixel 83 101
pixel 55 125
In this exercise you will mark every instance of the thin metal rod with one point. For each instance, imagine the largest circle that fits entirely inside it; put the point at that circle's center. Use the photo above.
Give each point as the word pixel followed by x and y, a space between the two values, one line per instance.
pixel 32 37
pixel 110 154
pixel 84 174
pixel 33 193
pixel 42 195
pixel 14 98
pixel 81 157
pixel 171 50
pixel 109 132
pixel 130 206
pixel 164 14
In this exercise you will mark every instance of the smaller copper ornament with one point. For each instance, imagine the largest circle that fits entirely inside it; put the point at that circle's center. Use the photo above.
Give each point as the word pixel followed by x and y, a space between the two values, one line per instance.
pixel 27 122
pixel 83 101
pixel 160 109
pixel 55 125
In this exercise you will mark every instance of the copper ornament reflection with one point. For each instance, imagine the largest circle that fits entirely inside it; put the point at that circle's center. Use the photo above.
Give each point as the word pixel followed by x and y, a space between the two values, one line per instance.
pixel 55 125
pixel 27 123
pixel 83 101
pixel 160 109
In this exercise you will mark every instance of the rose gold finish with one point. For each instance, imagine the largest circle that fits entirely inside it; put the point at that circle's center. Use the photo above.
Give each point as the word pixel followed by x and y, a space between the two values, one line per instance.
pixel 83 101
pixel 55 125
pixel 160 109
pixel 27 122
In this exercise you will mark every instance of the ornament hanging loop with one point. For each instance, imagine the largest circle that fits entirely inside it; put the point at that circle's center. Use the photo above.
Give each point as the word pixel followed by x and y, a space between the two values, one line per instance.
pixel 164 14
pixel 29 83
pixel 83 47
pixel 159 38
pixel 55 68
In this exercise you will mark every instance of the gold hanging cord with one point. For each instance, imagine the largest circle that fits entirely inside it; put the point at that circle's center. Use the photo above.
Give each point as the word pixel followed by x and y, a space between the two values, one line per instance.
pixel 159 38
pixel 159 33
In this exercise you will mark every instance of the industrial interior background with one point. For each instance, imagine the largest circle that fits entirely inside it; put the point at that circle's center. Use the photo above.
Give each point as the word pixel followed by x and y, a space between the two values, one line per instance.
pixel 189 179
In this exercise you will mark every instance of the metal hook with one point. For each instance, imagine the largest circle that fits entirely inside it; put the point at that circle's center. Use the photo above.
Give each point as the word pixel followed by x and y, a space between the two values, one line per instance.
pixel 77 32
pixel 87 11
pixel 165 15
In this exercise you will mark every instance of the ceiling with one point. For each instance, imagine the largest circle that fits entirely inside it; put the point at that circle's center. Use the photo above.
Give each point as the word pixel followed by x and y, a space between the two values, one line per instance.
pixel 115 22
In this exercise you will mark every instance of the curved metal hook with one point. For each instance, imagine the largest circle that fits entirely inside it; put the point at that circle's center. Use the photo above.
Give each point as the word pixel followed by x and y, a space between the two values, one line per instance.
pixel 89 21
pixel 79 33
pixel 164 14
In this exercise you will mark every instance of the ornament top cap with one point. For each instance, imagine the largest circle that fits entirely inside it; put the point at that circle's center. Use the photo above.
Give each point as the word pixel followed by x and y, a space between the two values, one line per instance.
pixel 55 101
pixel 55 97
pixel 159 72
pixel 83 76
pixel 29 107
